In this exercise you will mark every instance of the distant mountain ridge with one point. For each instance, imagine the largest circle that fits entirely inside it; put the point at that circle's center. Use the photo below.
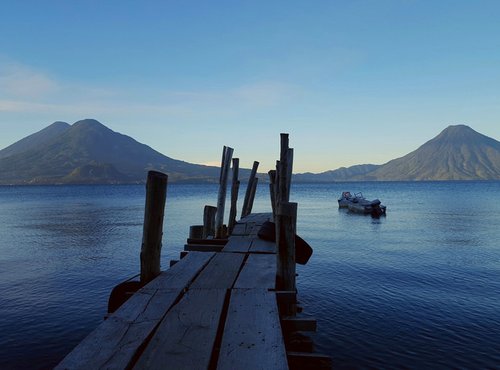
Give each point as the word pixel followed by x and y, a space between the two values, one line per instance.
pixel 89 152
pixel 457 153
pixel 340 174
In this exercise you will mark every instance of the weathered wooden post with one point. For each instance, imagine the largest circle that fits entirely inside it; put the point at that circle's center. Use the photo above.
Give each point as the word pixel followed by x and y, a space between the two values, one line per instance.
pixel 195 231
pixel 234 196
pixel 248 194
pixel 284 169
pixel 286 216
pixel 289 169
pixel 209 221
pixel 252 195
pixel 156 195
pixel 272 179
pixel 227 155
pixel 277 185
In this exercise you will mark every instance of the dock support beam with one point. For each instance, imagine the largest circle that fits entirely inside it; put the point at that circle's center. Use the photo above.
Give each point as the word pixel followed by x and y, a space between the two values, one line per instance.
pixel 251 187
pixel 285 219
pixel 272 191
pixel 156 195
pixel 209 221
pixel 234 196
pixel 227 155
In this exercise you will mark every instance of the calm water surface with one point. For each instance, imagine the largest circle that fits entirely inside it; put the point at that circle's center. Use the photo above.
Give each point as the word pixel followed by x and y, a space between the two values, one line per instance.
pixel 416 289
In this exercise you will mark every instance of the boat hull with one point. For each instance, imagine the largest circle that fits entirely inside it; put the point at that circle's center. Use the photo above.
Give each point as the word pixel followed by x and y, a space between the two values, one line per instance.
pixel 367 208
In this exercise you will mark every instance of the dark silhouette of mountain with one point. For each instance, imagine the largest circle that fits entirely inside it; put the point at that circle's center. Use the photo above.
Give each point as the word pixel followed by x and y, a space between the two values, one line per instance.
pixel 89 152
pixel 457 153
pixel 35 140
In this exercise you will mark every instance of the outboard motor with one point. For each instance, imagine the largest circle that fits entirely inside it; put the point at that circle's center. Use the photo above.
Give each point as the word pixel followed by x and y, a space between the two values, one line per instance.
pixel 377 211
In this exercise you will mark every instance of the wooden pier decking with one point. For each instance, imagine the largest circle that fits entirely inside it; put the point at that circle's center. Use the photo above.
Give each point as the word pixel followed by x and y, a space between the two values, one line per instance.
pixel 228 303
pixel 211 310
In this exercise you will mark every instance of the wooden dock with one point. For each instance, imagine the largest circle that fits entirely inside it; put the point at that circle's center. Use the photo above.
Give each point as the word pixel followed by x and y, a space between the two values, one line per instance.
pixel 221 306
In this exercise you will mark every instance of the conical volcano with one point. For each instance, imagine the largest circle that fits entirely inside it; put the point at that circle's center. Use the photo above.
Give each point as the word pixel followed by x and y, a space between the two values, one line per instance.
pixel 457 153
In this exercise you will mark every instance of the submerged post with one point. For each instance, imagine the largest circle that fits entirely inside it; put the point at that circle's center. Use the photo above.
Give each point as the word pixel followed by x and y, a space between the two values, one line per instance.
pixel 234 196
pixel 156 195
pixel 246 203
pixel 227 155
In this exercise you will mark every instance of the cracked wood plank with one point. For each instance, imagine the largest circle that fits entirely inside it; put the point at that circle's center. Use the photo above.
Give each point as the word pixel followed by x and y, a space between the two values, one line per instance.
pixel 179 275
pixel 238 244
pixel 115 341
pixel 259 271
pixel 221 272
pixel 262 246
pixel 185 337
pixel 239 229
pixel 252 336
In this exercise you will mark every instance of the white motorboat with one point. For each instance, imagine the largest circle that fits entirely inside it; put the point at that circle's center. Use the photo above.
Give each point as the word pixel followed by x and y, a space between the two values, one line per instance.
pixel 359 204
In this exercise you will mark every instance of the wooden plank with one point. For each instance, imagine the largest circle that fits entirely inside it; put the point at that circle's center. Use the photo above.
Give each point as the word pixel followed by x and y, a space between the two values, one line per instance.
pixel 207 241
pixel 221 272
pixel 238 244
pixel 117 339
pixel 247 227
pixel 298 324
pixel 259 271
pixel 286 297
pixel 239 229
pixel 309 361
pixel 114 342
pixel 203 247
pixel 182 273
pixel 259 217
pixel 185 338
pixel 250 226
pixel 262 246
pixel 252 336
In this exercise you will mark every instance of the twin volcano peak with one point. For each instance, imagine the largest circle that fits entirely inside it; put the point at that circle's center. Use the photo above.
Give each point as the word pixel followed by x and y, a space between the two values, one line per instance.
pixel 89 152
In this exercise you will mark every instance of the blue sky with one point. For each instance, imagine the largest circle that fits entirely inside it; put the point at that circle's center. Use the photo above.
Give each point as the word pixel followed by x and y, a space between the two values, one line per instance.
pixel 351 81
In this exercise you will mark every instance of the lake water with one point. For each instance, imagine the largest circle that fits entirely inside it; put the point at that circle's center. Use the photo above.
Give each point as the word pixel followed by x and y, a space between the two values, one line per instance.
pixel 419 288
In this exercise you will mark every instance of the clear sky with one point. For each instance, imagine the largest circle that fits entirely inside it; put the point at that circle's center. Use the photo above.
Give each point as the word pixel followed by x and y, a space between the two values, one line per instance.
pixel 351 81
